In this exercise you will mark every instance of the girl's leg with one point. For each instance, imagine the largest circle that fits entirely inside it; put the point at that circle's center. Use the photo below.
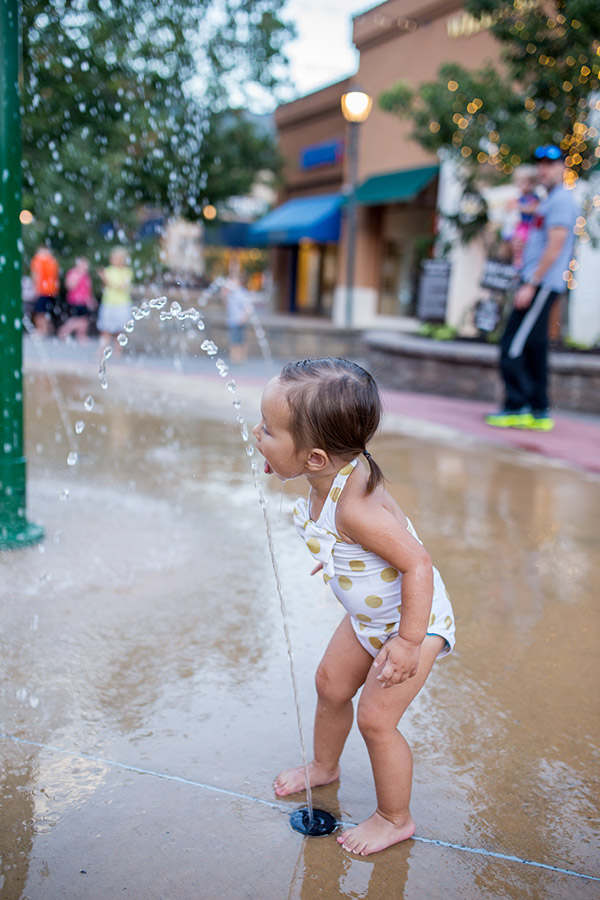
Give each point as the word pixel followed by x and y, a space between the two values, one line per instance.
pixel 341 672
pixel 379 711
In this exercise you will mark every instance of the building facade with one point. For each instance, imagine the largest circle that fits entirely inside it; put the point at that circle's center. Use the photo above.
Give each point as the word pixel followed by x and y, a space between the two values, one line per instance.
pixel 397 189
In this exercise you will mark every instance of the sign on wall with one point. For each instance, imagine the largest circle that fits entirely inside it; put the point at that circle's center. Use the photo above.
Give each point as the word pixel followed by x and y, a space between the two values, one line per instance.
pixel 327 153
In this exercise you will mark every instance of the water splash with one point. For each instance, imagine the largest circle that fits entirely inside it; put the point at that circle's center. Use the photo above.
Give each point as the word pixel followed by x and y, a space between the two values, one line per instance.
pixel 210 348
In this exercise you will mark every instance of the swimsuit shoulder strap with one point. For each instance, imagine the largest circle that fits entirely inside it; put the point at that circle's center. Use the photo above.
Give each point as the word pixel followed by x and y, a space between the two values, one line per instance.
pixel 327 517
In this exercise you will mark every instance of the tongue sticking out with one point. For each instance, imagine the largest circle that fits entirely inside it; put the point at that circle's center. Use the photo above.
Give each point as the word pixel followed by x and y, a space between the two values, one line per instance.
pixel 268 469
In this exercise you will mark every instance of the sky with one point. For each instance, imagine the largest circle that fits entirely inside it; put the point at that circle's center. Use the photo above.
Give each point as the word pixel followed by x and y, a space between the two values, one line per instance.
pixel 323 51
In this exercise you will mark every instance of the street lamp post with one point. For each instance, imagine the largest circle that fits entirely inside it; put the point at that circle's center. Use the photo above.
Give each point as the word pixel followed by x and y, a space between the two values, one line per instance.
pixel 356 106
pixel 15 530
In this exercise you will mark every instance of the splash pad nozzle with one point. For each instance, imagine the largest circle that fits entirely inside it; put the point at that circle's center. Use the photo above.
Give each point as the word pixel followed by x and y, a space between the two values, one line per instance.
pixel 315 825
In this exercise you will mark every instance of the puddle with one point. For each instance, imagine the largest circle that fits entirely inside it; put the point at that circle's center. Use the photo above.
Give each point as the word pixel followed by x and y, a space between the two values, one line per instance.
pixel 146 632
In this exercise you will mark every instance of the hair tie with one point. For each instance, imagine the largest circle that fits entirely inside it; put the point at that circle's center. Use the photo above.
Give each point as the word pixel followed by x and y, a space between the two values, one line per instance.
pixel 366 454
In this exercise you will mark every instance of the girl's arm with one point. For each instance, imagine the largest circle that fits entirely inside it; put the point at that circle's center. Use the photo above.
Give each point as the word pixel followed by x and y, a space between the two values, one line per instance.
pixel 376 526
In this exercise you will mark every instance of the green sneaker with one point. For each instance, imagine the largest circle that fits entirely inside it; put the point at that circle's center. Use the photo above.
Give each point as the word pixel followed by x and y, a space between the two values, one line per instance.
pixel 510 418
pixel 540 422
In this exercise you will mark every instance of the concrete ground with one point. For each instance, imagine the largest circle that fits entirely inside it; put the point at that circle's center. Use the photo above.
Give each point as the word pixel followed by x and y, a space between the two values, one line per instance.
pixel 575 439
pixel 146 697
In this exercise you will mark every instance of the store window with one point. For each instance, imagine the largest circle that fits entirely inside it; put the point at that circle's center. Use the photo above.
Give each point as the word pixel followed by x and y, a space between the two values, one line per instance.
pixel 404 230
pixel 316 278
pixel 398 296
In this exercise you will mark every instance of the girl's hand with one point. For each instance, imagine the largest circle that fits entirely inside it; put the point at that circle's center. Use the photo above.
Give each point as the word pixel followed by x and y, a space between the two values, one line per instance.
pixel 317 568
pixel 398 660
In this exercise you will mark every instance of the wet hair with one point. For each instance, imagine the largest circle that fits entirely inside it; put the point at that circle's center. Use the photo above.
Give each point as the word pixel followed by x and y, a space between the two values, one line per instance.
pixel 334 405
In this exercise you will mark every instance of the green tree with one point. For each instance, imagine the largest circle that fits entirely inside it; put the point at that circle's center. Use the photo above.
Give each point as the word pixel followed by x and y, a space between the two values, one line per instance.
pixel 544 92
pixel 126 105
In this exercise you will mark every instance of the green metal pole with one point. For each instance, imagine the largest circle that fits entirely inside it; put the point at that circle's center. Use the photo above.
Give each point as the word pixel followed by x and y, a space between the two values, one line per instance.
pixel 15 530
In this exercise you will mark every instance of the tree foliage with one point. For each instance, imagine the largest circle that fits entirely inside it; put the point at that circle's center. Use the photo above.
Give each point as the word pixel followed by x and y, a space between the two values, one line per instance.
pixel 126 106
pixel 544 92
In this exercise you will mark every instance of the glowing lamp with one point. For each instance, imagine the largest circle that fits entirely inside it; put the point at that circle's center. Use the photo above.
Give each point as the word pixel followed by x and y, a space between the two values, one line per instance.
pixel 356 106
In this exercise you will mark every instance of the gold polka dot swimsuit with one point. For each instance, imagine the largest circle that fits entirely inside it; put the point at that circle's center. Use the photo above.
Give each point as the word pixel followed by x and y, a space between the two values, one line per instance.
pixel 366 585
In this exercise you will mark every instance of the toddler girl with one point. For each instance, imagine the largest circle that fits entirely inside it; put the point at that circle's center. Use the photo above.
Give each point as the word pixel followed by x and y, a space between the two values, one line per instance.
pixel 318 417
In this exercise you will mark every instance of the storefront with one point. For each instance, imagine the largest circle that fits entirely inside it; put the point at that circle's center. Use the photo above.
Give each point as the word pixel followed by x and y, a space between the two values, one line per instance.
pixel 306 231
pixel 397 185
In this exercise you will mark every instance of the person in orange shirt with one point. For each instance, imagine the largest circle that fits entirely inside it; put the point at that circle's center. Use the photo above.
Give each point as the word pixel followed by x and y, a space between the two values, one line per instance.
pixel 45 274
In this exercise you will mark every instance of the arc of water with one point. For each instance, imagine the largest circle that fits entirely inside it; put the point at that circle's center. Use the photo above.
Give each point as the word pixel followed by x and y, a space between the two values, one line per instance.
pixel 175 311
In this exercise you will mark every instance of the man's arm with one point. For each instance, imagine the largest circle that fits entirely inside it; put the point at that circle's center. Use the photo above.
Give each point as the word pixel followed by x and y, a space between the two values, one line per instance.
pixel 556 239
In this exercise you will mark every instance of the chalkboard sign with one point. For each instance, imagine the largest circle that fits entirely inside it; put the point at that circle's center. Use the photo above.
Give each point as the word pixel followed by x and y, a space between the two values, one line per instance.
pixel 487 315
pixel 433 289
pixel 499 276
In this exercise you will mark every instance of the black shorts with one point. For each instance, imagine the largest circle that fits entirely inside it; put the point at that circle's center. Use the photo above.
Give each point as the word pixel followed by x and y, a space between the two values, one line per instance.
pixel 77 310
pixel 44 304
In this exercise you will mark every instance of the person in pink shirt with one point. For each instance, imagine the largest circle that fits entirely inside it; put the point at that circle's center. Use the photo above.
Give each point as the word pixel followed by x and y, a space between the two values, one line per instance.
pixel 80 300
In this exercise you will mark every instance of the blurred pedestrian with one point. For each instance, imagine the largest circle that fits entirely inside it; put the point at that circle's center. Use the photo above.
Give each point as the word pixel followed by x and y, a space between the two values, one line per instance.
pixel 546 258
pixel 80 301
pixel 238 308
pixel 115 308
pixel 46 282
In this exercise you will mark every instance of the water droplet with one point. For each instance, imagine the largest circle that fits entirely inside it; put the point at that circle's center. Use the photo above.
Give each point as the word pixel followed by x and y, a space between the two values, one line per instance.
pixel 103 383
pixel 164 316
pixel 231 386
pixel 222 368
pixel 250 449
pixel 237 403
pixel 137 313
pixel 200 326
pixel 79 425
pixel 107 352
pixel 244 432
pixel 89 403
pixel 175 308
pixel 209 347
pixel 129 326
pixel 122 339
pixel 72 459
pixel 64 495
pixel 158 302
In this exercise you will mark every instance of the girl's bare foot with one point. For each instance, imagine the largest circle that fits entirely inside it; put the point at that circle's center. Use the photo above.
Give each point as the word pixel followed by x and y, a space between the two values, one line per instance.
pixel 293 780
pixel 375 834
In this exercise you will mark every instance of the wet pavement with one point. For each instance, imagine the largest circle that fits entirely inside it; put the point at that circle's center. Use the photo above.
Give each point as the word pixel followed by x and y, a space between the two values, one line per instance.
pixel 147 700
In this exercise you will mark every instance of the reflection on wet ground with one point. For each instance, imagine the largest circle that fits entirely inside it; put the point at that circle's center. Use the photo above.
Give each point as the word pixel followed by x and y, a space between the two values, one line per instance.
pixel 144 637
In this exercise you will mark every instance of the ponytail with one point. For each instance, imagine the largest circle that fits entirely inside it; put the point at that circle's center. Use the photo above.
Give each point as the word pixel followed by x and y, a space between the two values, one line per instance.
pixel 376 476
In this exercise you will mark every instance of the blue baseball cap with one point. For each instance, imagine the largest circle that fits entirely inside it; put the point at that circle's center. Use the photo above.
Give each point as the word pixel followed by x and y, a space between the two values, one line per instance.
pixel 550 152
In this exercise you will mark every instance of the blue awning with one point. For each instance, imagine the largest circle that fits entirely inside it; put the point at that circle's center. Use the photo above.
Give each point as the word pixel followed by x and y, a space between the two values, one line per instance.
pixel 228 234
pixel 315 218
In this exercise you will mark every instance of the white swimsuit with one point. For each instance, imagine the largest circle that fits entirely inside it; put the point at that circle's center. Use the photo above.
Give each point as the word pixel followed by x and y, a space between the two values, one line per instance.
pixel 366 585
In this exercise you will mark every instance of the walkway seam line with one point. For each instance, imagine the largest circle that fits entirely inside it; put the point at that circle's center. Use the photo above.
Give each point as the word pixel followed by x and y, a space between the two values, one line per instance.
pixel 285 808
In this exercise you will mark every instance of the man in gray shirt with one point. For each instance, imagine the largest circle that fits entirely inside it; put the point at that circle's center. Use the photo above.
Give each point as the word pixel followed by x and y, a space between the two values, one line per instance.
pixel 546 257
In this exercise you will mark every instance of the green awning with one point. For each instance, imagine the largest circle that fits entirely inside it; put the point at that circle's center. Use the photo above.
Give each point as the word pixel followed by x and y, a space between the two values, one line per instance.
pixel 395 187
